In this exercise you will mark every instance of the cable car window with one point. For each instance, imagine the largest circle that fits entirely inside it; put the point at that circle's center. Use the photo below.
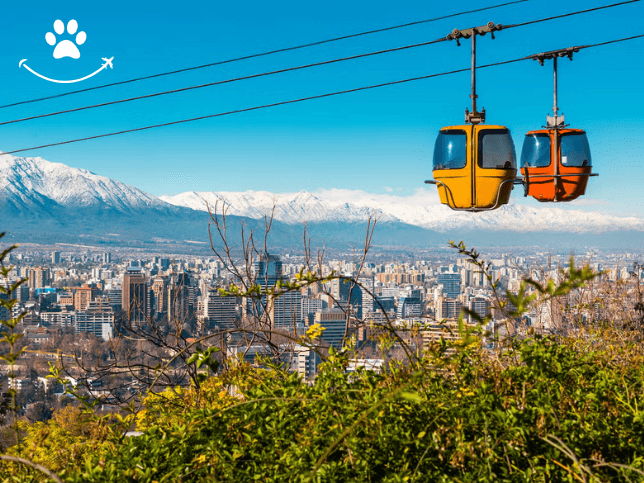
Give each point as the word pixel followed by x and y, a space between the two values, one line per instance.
pixel 575 150
pixel 450 150
pixel 536 151
pixel 496 149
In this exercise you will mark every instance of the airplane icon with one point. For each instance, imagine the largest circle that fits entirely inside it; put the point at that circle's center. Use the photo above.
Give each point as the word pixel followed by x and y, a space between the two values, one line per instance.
pixel 108 62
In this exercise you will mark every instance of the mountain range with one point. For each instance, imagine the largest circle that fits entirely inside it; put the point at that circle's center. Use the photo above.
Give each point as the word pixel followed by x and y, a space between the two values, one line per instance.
pixel 45 202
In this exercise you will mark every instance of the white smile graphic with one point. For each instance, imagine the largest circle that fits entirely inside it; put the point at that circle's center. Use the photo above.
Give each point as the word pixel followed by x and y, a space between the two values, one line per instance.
pixel 108 62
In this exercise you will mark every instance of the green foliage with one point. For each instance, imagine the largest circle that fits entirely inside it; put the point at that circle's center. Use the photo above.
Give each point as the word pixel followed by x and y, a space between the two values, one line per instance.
pixel 206 358
pixel 566 409
pixel 66 440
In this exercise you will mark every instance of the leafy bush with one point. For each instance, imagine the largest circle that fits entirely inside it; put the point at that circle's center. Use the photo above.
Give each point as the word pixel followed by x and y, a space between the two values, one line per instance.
pixel 547 411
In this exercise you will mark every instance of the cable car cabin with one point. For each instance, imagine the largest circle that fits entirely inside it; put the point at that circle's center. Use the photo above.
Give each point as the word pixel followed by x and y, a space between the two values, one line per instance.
pixel 555 164
pixel 474 166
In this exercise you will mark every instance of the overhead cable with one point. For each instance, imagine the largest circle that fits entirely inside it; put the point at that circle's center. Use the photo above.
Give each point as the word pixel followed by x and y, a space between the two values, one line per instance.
pixel 226 81
pixel 288 69
pixel 263 54
pixel 594 9
pixel 293 101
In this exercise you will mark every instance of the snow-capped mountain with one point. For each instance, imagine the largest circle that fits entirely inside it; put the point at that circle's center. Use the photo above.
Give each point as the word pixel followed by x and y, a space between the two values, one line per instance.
pixel 34 180
pixel 49 202
pixel 423 209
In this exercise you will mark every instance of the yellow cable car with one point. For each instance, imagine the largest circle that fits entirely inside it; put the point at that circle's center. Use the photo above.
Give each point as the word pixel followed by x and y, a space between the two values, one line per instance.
pixel 474 166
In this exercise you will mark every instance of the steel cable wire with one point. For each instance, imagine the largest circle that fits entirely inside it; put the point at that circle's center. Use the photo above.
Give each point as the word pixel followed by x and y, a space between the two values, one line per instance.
pixel 293 101
pixel 262 54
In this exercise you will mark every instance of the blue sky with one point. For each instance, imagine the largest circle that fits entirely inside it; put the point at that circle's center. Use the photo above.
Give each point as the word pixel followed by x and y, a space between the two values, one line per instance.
pixel 377 141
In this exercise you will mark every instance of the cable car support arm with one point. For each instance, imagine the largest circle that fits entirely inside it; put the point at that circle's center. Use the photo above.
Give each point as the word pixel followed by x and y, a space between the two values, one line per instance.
pixel 474 117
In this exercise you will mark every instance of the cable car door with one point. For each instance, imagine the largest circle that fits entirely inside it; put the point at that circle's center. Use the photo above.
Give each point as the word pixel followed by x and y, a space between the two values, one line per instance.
pixel 495 166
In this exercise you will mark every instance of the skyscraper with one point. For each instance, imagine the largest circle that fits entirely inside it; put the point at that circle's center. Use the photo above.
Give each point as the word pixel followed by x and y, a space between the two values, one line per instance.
pixel 160 299
pixel 367 289
pixel 334 322
pixel 97 319
pixel 451 283
pixel 55 257
pixel 220 313
pixel 286 311
pixel 267 270
pixel 84 295
pixel 134 298
pixel 39 277
pixel 179 294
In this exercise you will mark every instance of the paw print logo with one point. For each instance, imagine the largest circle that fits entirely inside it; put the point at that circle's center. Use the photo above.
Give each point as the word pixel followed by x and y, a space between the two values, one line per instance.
pixel 66 48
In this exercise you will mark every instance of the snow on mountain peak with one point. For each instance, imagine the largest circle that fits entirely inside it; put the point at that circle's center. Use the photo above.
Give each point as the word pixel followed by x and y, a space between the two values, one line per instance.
pixel 67 186
pixel 422 209
pixel 31 183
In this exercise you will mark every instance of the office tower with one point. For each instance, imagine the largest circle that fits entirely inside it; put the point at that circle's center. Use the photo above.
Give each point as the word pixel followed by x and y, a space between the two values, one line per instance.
pixel 410 305
pixel 311 305
pixel 219 313
pixel 286 311
pixel 55 257
pixel 385 304
pixel 39 277
pixel 366 289
pixel 107 257
pixel 4 312
pixel 160 296
pixel 447 308
pixel 338 288
pixel 97 319
pixel 479 305
pixel 267 270
pixel 84 295
pixel 134 296
pixel 179 298
pixel 164 263
pixel 334 322
pixel 451 283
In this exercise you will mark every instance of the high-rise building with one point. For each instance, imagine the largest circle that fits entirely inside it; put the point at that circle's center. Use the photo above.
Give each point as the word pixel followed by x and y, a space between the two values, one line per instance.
pixel 4 311
pixel 451 283
pixel 55 258
pixel 219 313
pixel 367 291
pixel 338 288
pixel 97 319
pixel 334 322
pixel 479 305
pixel 286 311
pixel 447 308
pixel 178 299
pixel 84 295
pixel 134 296
pixel 410 306
pixel 39 277
pixel 311 305
pixel 267 270
pixel 107 257
pixel 160 296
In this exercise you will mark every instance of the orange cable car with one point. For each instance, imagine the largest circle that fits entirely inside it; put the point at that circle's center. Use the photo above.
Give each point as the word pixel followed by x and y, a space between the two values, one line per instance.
pixel 474 165
pixel 556 161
